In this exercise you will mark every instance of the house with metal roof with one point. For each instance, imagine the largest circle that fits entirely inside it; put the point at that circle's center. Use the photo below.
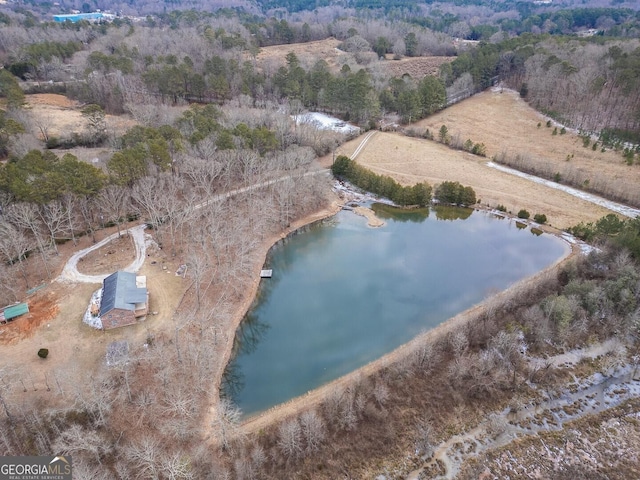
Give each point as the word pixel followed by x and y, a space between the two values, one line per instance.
pixel 125 300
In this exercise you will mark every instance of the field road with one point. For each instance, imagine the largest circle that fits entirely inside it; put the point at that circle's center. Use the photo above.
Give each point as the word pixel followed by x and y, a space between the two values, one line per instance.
pixel 619 208
pixel 363 144
pixel 613 206
pixel 70 273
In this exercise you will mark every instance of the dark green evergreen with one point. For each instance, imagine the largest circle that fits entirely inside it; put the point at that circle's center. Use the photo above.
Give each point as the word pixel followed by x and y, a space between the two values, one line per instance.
pixel 455 193
pixel 346 169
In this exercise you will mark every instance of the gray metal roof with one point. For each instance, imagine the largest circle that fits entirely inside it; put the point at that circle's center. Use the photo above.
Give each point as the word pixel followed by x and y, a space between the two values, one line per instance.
pixel 119 291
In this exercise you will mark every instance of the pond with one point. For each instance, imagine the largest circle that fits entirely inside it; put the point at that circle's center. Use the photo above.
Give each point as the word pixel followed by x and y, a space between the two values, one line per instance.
pixel 343 294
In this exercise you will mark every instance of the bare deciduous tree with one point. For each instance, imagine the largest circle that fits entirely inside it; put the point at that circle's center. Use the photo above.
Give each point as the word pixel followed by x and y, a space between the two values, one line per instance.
pixel 313 430
pixel 25 215
pixel 424 440
pixel 14 245
pixel 115 201
pixel 77 440
pixel 145 456
pixel 290 439
pixel 459 343
pixel 381 393
pixel 54 218
pixel 226 423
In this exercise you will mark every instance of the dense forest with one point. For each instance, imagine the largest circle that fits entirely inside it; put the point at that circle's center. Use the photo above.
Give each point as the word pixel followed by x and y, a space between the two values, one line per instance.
pixel 215 126
pixel 207 63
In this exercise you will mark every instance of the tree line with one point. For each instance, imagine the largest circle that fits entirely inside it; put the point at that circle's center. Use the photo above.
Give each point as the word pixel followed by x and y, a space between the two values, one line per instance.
pixel 346 169
pixel 417 195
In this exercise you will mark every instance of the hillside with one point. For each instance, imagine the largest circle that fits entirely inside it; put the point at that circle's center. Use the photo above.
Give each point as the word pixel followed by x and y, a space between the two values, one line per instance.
pixel 181 123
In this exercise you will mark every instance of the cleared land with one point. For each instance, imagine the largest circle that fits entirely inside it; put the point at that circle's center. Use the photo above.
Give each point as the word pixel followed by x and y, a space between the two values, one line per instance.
pixel 417 67
pixel 327 49
pixel 503 122
pixel 76 350
pixel 62 117
pixel 507 125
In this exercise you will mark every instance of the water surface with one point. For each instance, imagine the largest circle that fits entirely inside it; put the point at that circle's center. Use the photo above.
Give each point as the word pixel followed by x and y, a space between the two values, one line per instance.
pixel 343 294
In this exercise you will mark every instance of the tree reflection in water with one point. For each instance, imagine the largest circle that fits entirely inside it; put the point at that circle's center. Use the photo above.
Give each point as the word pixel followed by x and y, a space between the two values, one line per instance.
pixel 415 215
pixel 418 215
pixel 450 212
pixel 247 338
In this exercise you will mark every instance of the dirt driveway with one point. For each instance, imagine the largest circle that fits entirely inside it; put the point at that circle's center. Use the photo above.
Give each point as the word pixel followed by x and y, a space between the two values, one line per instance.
pixel 76 350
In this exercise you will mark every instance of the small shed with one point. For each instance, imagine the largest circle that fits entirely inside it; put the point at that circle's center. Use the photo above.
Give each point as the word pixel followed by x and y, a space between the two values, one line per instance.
pixel 124 300
pixel 9 313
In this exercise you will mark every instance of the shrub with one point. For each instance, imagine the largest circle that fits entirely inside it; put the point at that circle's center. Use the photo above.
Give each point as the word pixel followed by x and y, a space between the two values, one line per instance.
pixel 443 135
pixel 479 149
pixel 43 352
pixel 523 214
pixel 524 90
pixel 501 208
pixel 468 145
pixel 560 309
pixel 583 231
pixel 549 123
pixel 555 131
pixel 563 131
pixel 540 218
pixel 628 156
pixel 52 142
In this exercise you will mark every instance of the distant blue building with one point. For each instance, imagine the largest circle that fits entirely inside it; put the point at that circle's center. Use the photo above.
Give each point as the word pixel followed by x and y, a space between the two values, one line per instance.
pixel 76 17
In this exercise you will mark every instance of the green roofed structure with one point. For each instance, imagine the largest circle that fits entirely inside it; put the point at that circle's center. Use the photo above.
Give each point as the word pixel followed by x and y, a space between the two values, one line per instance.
pixel 9 313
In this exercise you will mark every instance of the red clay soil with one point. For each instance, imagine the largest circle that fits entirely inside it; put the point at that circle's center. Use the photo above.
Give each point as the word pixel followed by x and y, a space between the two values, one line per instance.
pixel 42 308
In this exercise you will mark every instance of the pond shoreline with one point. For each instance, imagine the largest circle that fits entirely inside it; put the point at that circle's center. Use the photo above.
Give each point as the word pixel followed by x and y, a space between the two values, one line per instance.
pixel 261 420
pixel 251 293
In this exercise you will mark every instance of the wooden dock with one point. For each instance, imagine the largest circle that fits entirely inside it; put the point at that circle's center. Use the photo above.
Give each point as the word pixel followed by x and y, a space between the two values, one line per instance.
pixel 266 273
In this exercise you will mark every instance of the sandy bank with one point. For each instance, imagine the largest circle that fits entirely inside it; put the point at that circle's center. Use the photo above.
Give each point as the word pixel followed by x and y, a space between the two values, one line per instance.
pixel 370 215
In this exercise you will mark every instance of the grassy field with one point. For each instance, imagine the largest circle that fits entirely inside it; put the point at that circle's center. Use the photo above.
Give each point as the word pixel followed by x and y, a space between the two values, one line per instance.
pixel 410 160
pixel 309 53
pixel 508 127
pixel 504 123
